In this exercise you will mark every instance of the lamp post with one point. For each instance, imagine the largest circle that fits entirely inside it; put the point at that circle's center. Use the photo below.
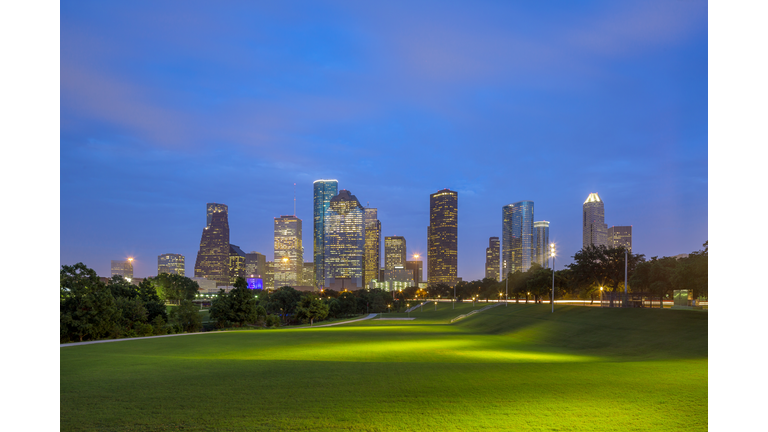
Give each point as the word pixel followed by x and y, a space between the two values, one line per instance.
pixel 435 306
pixel 454 296
pixel 506 292
pixel 601 296
pixel 625 276
pixel 408 306
pixel 552 254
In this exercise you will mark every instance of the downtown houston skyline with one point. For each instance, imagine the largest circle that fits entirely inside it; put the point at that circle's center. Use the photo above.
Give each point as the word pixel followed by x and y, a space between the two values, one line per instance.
pixel 166 111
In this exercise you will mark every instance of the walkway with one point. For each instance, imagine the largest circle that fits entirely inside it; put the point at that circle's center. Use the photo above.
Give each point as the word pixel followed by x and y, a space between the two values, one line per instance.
pixel 344 322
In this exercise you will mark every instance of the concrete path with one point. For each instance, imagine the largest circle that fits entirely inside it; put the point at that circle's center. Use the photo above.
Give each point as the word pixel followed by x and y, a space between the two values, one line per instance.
pixel 345 322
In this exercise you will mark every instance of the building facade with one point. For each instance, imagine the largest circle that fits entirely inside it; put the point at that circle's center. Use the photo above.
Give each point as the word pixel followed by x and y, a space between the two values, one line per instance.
pixel 344 242
pixel 236 264
pixel 492 258
pixel 620 236
pixel 394 252
pixel 212 208
pixel 122 268
pixel 518 237
pixel 442 237
pixel 324 191
pixel 595 231
pixel 289 252
pixel 255 264
pixel 171 264
pixel 417 267
pixel 372 261
pixel 269 278
pixel 212 260
pixel 542 242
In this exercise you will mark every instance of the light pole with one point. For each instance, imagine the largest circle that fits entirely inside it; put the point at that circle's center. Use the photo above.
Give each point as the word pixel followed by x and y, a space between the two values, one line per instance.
pixel 625 276
pixel 506 292
pixel 601 296
pixel 435 306
pixel 552 254
pixel 454 296
pixel 408 306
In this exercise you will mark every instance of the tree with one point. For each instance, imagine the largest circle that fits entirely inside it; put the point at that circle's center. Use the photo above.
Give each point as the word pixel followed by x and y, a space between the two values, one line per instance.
pixel 242 303
pixel 86 309
pixel 539 281
pixel 152 302
pixel 174 288
pixel 596 266
pixel 692 273
pixel 654 277
pixel 311 308
pixel 186 316
pixel 220 310
pixel 283 301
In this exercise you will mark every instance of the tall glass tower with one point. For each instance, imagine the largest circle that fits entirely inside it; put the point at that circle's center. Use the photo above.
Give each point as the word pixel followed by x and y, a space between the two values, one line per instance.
pixel 542 242
pixel 372 246
pixel 595 230
pixel 289 253
pixel 344 242
pixel 518 240
pixel 492 259
pixel 212 260
pixel 324 191
pixel 443 237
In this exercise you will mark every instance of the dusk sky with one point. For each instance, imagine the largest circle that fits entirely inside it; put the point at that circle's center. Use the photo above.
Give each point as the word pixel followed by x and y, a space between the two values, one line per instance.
pixel 166 106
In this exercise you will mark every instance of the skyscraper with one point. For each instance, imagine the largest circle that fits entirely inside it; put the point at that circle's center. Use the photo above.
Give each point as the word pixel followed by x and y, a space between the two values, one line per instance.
pixel 289 253
pixel 442 237
pixel 417 267
pixel 542 242
pixel 213 256
pixel 372 261
pixel 620 236
pixel 344 242
pixel 595 230
pixel 236 263
pixel 394 252
pixel 518 237
pixel 122 268
pixel 492 259
pixel 212 208
pixel 255 264
pixel 324 191
pixel 170 263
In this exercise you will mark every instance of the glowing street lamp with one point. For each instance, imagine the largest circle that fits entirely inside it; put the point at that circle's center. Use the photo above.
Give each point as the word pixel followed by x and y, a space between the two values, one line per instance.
pixel 408 305
pixel 601 296
pixel 435 305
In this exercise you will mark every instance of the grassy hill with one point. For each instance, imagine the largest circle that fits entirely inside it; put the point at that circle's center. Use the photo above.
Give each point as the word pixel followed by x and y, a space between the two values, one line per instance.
pixel 517 367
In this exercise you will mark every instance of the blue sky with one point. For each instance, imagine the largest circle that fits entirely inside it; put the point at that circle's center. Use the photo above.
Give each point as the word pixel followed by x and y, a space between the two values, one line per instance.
pixel 165 107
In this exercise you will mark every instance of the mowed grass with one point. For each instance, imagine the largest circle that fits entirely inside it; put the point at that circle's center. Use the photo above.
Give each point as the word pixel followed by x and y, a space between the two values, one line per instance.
pixel 515 367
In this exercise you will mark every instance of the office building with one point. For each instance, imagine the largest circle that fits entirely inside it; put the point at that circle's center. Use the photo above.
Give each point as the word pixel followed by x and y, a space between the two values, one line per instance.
pixel 289 253
pixel 442 238
pixel 394 252
pixel 324 191
pixel 171 264
pixel 212 208
pixel 269 276
pixel 518 237
pixel 372 248
pixel 620 236
pixel 308 275
pixel 542 242
pixel 492 259
pixel 344 242
pixel 236 264
pixel 255 264
pixel 417 267
pixel 595 231
pixel 122 268
pixel 400 274
pixel 212 260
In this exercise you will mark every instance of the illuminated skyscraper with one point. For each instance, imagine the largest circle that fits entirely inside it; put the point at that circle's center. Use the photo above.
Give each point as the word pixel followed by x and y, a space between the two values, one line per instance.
pixel 255 264
pixel 344 242
pixel 518 240
pixel 542 242
pixel 620 236
pixel 372 261
pixel 442 237
pixel 212 208
pixel 492 259
pixel 394 252
pixel 122 268
pixel 595 229
pixel 212 260
pixel 324 191
pixel 289 253
pixel 417 267
pixel 236 264
pixel 170 263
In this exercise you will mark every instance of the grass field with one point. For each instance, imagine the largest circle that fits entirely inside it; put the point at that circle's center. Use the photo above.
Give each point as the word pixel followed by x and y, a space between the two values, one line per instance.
pixel 508 368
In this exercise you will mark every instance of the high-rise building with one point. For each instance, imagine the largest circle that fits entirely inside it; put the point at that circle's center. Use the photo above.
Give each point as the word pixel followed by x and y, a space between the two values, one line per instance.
pixel 595 230
pixel 542 243
pixel 394 252
pixel 400 274
pixel 171 264
pixel 492 259
pixel 620 236
pixel 269 276
pixel 518 237
pixel 308 274
pixel 344 242
pixel 442 237
pixel 289 253
pixel 372 261
pixel 417 267
pixel 213 256
pixel 122 268
pixel 236 264
pixel 324 191
pixel 255 264
pixel 212 208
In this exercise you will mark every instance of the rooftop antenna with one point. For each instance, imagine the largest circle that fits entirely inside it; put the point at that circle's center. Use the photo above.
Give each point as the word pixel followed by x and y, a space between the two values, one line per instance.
pixel 294 200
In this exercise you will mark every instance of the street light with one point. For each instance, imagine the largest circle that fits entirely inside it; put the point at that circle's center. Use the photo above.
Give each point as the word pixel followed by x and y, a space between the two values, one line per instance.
pixel 601 296
pixel 435 306
pixel 408 306
pixel 552 254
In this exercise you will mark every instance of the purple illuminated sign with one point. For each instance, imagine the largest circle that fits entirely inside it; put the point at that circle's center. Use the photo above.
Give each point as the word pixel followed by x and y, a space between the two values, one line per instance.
pixel 255 283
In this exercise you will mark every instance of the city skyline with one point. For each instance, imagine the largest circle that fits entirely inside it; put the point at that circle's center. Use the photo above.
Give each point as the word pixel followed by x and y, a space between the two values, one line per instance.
pixel 607 98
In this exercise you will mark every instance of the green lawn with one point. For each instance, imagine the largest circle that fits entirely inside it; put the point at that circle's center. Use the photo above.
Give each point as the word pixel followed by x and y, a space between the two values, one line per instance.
pixel 509 368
